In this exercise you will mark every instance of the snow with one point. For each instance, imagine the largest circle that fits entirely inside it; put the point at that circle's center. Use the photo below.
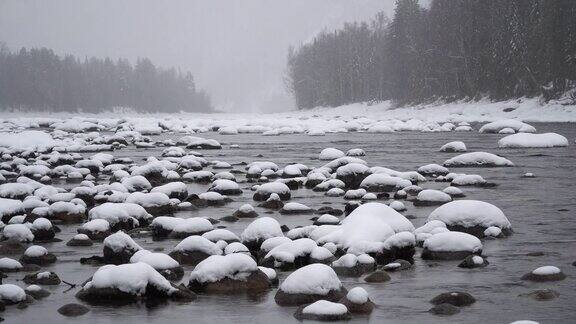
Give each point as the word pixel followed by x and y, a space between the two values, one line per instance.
pixel 468 180
pixel 131 278
pixel 477 159
pixel 223 184
pixel 430 195
pixel 18 232
pixel 12 190
pixel 115 212
pixel 546 271
pixel 269 272
pixel 384 180
pixel 150 199
pixel 492 231
pixel 35 251
pixel 236 247
pixel 120 241
pixel 313 279
pixel 522 140
pixel 246 208
pixel 273 242
pixel 12 293
pixel 357 295
pixel 295 207
pixel 456 146
pixel 453 191
pixel 273 187
pixel 261 229
pixel 453 242
pixel 516 125
pixel 158 261
pixel 400 240
pixel 433 169
pixel 289 251
pixel 183 225
pixel 470 213
pixel 397 205
pixel 96 225
pixel 28 140
pixel 328 219
pixel 10 207
pixel 7 263
pixel 429 226
pixel 236 266
pixel 41 224
pixel 198 243
pixel 171 187
pixel 324 307
pixel 330 154
pixel 368 224
pixel 220 234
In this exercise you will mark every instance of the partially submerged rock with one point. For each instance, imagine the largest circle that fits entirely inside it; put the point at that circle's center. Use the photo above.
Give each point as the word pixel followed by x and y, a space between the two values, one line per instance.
pixel 545 273
pixel 322 310
pixel 456 298
pixel 309 284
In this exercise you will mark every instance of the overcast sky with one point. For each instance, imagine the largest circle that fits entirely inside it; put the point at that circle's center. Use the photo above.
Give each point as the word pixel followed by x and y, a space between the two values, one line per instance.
pixel 236 49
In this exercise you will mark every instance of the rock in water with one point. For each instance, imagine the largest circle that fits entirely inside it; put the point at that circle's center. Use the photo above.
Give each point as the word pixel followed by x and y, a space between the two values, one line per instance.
pixel 73 310
pixel 444 309
pixel 456 298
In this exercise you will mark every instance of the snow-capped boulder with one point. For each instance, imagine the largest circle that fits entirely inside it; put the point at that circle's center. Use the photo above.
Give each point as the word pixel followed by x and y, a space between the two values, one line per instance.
pixel 124 216
pixel 225 187
pixel 119 248
pixel 322 310
pixel 433 170
pixel 264 191
pixel 42 278
pixel 11 294
pixel 430 197
pixel 194 249
pixel 456 146
pixel 161 262
pixel 545 273
pixel 80 240
pixel 259 231
pixel 176 190
pixel 122 284
pixel 451 246
pixel 478 159
pixel 473 261
pixel 232 273
pixel 155 203
pixel 221 234
pixel 290 255
pixel 327 219
pixel 380 182
pixel 352 174
pixel 17 233
pixel 309 284
pixel 97 229
pixel 523 140
pixel 67 212
pixel 330 154
pixel 354 266
pixel 42 229
pixel 295 208
pixel 245 211
pixel 357 301
pixel 516 125
pixel 38 255
pixel 471 216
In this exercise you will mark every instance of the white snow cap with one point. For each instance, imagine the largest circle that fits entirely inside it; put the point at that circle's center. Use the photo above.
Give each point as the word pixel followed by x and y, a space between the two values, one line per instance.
pixel 533 140
pixel 130 278
pixel 453 242
pixel 478 159
pixel 313 279
pixel 12 293
pixel 470 213
pixel 357 295
pixel 236 266
pixel 324 307
pixel 158 261
pixel 330 153
pixel 546 270
pixel 119 241
pixel 261 229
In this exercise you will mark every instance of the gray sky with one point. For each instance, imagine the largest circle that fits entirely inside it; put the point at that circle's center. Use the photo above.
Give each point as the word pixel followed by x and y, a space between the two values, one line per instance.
pixel 236 49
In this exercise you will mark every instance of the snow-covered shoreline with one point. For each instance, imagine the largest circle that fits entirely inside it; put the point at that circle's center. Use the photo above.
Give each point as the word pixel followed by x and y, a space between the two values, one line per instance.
pixel 523 109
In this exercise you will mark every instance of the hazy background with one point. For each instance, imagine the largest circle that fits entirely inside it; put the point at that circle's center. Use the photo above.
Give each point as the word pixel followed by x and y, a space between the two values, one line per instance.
pixel 236 49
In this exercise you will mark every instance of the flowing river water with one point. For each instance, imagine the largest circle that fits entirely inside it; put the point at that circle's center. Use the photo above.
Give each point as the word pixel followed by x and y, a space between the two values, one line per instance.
pixel 541 210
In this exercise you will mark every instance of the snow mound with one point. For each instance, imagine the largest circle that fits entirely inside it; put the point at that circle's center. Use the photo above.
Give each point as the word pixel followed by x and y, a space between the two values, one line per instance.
pixel 478 159
pixel 330 154
pixel 453 242
pixel 516 125
pixel 324 307
pixel 522 140
pixel 313 279
pixel 470 213
pixel 236 266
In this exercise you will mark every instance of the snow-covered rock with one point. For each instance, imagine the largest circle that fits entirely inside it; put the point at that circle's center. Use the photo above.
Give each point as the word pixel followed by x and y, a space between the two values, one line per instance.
pixel 451 246
pixel 545 273
pixel 232 273
pixel 478 159
pixel 309 284
pixel 322 310
pixel 471 216
pixel 523 140
pixel 430 197
pixel 516 125
pixel 330 154
pixel 193 249
pixel 456 146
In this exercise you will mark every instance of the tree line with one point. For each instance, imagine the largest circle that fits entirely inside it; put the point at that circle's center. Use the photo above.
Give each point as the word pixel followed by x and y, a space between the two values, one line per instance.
pixel 454 49
pixel 38 79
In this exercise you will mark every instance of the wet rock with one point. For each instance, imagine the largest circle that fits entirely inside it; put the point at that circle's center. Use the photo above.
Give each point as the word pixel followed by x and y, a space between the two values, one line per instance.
pixel 456 298
pixel 119 248
pixel 42 278
pixel 444 309
pixel 230 219
pixel 93 260
pixel 255 282
pixel 11 247
pixel 329 210
pixel 37 255
pixel 316 282
pixel 473 261
pixel 377 276
pixel 73 310
pixel 245 211
pixel 350 206
pixel 542 295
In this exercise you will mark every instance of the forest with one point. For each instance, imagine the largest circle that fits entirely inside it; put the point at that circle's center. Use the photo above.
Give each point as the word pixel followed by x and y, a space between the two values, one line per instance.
pixel 39 80
pixel 450 50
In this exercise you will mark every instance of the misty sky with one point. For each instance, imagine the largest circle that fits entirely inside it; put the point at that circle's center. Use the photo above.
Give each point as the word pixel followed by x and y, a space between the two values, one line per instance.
pixel 236 49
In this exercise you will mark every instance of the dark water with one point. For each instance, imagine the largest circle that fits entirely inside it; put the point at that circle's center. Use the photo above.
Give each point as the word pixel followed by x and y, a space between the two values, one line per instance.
pixel 541 210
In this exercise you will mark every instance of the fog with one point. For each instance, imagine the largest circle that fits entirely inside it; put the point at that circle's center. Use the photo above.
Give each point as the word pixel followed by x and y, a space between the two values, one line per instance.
pixel 236 49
